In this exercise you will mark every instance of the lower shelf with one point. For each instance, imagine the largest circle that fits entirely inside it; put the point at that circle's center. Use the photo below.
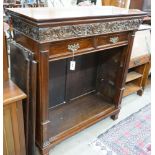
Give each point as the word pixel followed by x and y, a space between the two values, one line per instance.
pixel 80 111
pixel 132 76
pixel 131 88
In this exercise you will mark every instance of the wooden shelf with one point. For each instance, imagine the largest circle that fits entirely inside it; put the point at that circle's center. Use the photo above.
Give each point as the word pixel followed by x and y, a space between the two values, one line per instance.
pixel 132 76
pixel 131 88
pixel 75 114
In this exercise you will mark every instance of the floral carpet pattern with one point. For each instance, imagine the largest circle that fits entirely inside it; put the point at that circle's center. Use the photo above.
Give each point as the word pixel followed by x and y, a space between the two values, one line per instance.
pixel 131 136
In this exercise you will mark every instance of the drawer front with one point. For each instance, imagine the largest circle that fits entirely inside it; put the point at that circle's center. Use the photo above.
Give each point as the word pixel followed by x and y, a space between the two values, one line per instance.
pixel 70 46
pixel 111 39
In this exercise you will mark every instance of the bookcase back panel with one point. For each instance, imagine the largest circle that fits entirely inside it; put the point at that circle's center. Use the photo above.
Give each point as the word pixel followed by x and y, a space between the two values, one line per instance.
pixel 95 72
pixel 82 80
pixel 57 79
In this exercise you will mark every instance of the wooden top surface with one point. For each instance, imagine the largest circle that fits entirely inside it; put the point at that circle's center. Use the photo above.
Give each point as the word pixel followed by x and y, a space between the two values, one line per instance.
pixel 11 93
pixel 84 12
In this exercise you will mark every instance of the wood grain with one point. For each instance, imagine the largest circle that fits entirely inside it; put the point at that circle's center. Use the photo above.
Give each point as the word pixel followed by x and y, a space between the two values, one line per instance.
pixel 102 66
pixel 132 76
pixel 139 68
pixel 57 14
pixel 131 88
pixel 139 61
pixel 67 116
pixel 13 125
pixel 11 93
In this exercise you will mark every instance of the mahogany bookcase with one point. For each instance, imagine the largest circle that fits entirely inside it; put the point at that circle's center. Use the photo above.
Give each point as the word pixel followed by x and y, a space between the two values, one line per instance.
pixel 99 40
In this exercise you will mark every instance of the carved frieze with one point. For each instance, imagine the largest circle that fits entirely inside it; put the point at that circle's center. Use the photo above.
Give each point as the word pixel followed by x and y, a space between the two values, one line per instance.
pixel 51 34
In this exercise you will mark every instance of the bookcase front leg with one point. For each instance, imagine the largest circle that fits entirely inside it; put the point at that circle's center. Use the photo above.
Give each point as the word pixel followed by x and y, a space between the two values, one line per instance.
pixel 115 116
pixel 42 120
pixel 122 73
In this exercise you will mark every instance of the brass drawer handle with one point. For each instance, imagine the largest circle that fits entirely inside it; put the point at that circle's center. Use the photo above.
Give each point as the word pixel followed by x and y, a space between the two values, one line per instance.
pixel 114 40
pixel 74 47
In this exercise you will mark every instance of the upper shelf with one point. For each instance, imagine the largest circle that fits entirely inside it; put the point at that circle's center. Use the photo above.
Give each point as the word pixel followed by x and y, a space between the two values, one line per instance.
pixel 83 12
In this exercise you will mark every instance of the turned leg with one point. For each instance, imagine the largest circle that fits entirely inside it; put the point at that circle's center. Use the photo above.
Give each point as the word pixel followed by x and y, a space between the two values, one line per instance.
pixel 140 92
pixel 115 116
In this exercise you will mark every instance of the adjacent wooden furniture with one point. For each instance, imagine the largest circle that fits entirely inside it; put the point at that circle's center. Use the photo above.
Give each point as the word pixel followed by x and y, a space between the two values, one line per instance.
pixel 13 127
pixel 118 3
pixel 144 5
pixel 23 73
pixel 140 61
pixel 136 4
pixel 13 124
pixel 99 40
pixel 137 75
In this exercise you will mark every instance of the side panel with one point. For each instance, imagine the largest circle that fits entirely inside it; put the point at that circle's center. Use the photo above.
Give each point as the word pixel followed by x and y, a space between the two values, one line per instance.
pixel 23 73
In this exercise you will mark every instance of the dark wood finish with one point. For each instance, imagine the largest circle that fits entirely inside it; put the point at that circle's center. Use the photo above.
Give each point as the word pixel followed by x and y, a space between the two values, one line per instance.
pixel 5 59
pixel 62 48
pixel 140 92
pixel 23 73
pixel 32 108
pixel 101 39
pixel 20 75
pixel 114 117
pixel 105 40
pixel 86 66
pixel 42 108
pixel 57 87
pixel 80 110
pixel 13 125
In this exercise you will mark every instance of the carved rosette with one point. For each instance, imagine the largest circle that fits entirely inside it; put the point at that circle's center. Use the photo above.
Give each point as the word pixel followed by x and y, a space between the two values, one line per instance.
pixel 51 34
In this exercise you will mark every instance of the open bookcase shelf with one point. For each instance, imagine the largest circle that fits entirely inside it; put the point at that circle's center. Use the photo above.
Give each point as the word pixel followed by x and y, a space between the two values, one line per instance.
pixel 131 88
pixel 132 76
pixel 137 75
pixel 77 112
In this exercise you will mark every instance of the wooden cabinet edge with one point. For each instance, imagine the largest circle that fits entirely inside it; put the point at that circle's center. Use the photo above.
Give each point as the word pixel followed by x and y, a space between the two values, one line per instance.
pixel 11 93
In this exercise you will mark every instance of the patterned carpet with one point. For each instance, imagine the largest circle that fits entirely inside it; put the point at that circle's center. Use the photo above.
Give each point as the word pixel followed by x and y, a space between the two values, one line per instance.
pixel 131 136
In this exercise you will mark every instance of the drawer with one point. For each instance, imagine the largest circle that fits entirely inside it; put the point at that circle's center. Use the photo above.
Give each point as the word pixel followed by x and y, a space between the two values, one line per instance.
pixel 67 47
pixel 139 60
pixel 111 39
